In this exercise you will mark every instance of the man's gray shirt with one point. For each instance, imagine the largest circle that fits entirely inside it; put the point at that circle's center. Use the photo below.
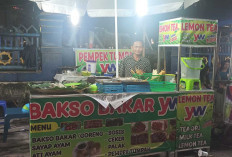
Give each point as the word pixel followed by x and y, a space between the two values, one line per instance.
pixel 129 63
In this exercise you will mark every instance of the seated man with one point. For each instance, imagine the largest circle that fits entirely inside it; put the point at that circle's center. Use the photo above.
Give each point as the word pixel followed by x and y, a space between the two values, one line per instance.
pixel 129 64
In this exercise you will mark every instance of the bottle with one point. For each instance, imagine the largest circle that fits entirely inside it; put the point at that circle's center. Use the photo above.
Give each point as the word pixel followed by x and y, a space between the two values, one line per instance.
pixel 89 67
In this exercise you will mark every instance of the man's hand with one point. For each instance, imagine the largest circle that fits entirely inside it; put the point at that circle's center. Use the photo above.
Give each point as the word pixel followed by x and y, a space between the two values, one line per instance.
pixel 139 71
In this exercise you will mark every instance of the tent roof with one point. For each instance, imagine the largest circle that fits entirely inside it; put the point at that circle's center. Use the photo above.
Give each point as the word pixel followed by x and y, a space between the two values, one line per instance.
pixel 105 8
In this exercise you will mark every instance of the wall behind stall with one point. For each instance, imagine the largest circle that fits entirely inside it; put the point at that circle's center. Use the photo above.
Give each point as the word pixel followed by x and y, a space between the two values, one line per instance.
pixel 53 54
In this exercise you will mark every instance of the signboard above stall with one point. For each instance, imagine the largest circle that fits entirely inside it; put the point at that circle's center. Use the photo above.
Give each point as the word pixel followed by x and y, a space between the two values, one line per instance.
pixel 105 58
pixel 188 32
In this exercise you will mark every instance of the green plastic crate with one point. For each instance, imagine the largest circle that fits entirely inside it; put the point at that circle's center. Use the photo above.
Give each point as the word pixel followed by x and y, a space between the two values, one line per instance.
pixel 149 77
pixel 162 86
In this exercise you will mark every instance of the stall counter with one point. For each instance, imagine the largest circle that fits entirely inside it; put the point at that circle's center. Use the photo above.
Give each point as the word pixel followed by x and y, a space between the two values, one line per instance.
pixel 78 125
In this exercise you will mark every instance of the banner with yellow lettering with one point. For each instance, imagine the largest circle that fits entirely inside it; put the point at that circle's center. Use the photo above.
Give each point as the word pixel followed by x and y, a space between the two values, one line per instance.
pixel 81 127
pixel 78 126
pixel 188 32
pixel 194 120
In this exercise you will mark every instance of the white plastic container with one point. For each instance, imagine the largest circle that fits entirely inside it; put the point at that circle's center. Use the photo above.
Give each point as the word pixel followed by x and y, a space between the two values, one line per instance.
pixel 170 78
pixel 91 66
pixel 191 67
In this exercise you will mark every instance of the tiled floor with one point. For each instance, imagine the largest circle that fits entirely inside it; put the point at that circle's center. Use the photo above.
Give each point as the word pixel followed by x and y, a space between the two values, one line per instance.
pixel 17 144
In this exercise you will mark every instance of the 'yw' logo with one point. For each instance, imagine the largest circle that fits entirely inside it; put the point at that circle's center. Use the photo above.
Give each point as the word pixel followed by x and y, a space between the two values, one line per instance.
pixel 169 103
pixel 194 111
pixel 199 37
pixel 165 37
pixel 108 67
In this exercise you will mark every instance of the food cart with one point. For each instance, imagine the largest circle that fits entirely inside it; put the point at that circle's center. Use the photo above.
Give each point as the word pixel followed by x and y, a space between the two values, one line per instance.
pixel 125 124
pixel 188 32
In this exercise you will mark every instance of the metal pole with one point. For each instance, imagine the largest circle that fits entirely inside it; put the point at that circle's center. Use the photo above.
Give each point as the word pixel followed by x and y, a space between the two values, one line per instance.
pixel 144 41
pixel 215 61
pixel 116 35
pixel 230 61
pixel 214 66
pixel 190 52
pixel 165 66
pixel 178 68
pixel 158 60
pixel 230 49
pixel 36 54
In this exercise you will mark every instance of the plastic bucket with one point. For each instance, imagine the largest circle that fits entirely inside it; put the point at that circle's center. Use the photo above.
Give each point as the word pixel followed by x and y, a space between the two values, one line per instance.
pixel 170 78
pixel 91 66
pixel 191 67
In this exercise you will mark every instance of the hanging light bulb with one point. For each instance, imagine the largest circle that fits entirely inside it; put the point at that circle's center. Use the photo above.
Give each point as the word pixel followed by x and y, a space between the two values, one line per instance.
pixel 141 7
pixel 75 17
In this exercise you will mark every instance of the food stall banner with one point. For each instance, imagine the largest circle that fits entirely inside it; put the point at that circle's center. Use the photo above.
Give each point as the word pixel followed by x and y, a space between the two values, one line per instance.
pixel 105 58
pixel 194 120
pixel 79 126
pixel 188 32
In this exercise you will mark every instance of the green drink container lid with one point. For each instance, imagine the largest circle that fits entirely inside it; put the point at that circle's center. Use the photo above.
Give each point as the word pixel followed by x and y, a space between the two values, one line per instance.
pixel 93 88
